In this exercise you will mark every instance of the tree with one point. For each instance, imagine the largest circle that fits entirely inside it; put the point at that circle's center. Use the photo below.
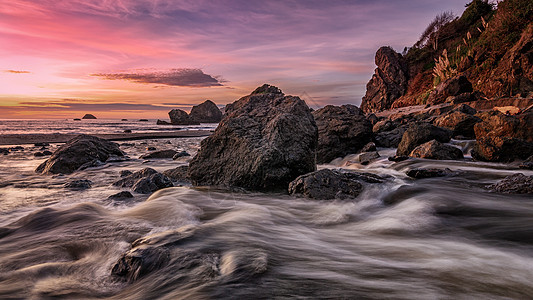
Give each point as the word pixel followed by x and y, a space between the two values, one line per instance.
pixel 430 36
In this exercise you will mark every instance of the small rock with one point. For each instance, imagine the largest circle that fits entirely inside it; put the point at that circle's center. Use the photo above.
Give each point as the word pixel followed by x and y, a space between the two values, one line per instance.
pixel 514 184
pixel 124 120
pixel 159 154
pixel 326 184
pixel 127 131
pixel 436 150
pixel 161 122
pixel 139 261
pixel 44 144
pixel 206 112
pixel 4 151
pixel 16 148
pixel 78 184
pixel 121 196
pixel 367 157
pixel 369 147
pixel 143 120
pixel 527 164
pixel 429 173
pixel 38 154
pixel 398 158
pixel 151 184
pixel 180 154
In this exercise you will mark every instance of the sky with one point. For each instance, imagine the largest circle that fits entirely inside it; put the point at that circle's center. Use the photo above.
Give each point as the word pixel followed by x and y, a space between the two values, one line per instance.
pixel 142 58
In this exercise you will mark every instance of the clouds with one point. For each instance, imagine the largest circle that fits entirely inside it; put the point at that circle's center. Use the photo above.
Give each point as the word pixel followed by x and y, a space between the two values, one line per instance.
pixel 17 72
pixel 172 77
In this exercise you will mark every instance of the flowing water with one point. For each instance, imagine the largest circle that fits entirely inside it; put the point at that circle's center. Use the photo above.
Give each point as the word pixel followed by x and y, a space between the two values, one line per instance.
pixel 437 238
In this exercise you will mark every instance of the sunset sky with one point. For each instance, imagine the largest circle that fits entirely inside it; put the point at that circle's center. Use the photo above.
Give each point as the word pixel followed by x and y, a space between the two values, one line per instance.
pixel 141 58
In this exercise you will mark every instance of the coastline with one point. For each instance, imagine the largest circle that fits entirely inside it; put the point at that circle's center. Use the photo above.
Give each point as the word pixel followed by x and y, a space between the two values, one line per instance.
pixel 22 139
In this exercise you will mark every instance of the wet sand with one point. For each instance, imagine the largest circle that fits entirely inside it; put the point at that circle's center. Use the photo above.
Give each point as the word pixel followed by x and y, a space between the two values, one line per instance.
pixel 20 139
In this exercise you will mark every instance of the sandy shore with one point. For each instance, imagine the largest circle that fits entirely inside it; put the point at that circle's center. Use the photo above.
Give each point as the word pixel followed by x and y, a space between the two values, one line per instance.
pixel 20 139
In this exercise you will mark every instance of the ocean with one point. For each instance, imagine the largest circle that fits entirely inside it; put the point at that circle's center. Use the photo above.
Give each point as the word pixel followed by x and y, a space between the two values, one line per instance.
pixel 435 238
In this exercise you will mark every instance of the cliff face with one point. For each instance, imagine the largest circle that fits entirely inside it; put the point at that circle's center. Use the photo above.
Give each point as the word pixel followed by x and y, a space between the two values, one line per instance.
pixel 491 48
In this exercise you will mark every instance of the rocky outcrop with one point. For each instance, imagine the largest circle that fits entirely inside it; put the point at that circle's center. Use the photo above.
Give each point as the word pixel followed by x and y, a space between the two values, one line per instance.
pixel 329 184
pixel 181 117
pixel 89 116
pixel 206 112
pixel 342 130
pixel 460 123
pixel 436 150
pixel 388 83
pixel 417 134
pixel 455 86
pixel 265 141
pixel 145 181
pixel 81 151
pixel 514 184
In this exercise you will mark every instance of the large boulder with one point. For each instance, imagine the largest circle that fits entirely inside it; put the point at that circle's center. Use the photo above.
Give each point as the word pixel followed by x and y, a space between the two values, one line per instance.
pixel 460 123
pixel 181 117
pixel 514 184
pixel 451 87
pixel 83 150
pixel 419 133
pixel 436 150
pixel 264 141
pixel 391 138
pixel 342 130
pixel 206 112
pixel 329 184
pixel 501 149
pixel 388 83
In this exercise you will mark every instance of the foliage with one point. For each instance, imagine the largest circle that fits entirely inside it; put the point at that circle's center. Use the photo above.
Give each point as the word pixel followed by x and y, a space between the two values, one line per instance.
pixel 430 36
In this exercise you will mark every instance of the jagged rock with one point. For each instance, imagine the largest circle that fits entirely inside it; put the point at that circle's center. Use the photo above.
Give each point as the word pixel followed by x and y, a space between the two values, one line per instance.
pixel 390 139
pixel 161 122
pixel 180 154
pixel 508 110
pixel 514 184
pixel 121 196
pixel 326 184
pixel 265 140
pixel 388 83
pixel 451 87
pixel 367 157
pixel 384 125
pixel 78 184
pixel 152 183
pixel 178 174
pixel 206 112
pixel 181 117
pixel 429 173
pixel 459 123
pixel 436 150
pixel 89 116
pixel 159 154
pixel 342 130
pixel 83 150
pixel 369 147
pixel 417 134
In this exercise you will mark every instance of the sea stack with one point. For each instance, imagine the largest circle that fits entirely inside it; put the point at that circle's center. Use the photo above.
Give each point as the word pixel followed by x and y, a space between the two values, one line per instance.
pixel 264 142
pixel 89 116
pixel 206 112
pixel 181 117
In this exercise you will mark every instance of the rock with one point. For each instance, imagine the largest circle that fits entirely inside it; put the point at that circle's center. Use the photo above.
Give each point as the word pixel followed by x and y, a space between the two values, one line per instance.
pixel 152 183
pixel 440 109
pixel 124 120
pixel 46 153
pixel 38 154
pixel 81 151
pixel 16 148
pixel 151 148
pixel 89 116
pixel 429 173
pixel 143 120
pixel 388 83
pixel 159 154
pixel 121 196
pixel 129 179
pixel 514 184
pixel 417 134
pixel 4 151
pixel 127 131
pixel 390 139
pixel 76 119
pixel 265 140
pixel 124 173
pixel 127 145
pixel 369 147
pixel 181 117
pixel 372 118
pixel 326 184
pixel 43 144
pixel 459 123
pixel 140 261
pixel 206 112
pixel 501 149
pixel 508 110
pixel 78 184
pixel 451 87
pixel 342 130
pixel 465 109
pixel 398 158
pixel 161 122
pixel 436 150
pixel 384 125
pixel 180 154
pixel 527 164
pixel 367 157
pixel 178 174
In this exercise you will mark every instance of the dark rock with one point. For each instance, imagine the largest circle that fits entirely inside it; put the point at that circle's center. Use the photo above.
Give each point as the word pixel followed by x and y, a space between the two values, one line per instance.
pixel 38 154
pixel 326 184
pixel 265 140
pixel 161 122
pixel 129 180
pixel 384 125
pixel 367 157
pixel 78 184
pixel 398 158
pixel 372 118
pixel 459 123
pixel 180 154
pixel 390 139
pixel 127 145
pixel 501 149
pixel 46 153
pixel 44 144
pixel 152 183
pixel 81 151
pixel 151 148
pixel 181 117
pixel 16 148
pixel 417 134
pixel 206 112
pixel 178 174
pixel 143 120
pixel 342 130
pixel 89 116
pixel 465 109
pixel 451 87
pixel 160 154
pixel 121 196
pixel 127 131
pixel 124 173
pixel 4 151
pixel 436 150
pixel 388 83
pixel 514 184
pixel 140 261
pixel 527 164
pixel 429 173
pixel 77 119
pixel 369 147
pixel 124 120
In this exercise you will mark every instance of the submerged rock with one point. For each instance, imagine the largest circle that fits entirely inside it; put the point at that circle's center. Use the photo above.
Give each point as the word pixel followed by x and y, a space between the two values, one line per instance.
pixel 435 150
pixel 342 130
pixel 514 184
pixel 81 151
pixel 78 184
pixel 369 147
pixel 398 158
pixel 206 112
pixel 145 181
pixel 121 196
pixel 417 134
pixel 159 154
pixel 265 140
pixel 429 173
pixel 140 261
